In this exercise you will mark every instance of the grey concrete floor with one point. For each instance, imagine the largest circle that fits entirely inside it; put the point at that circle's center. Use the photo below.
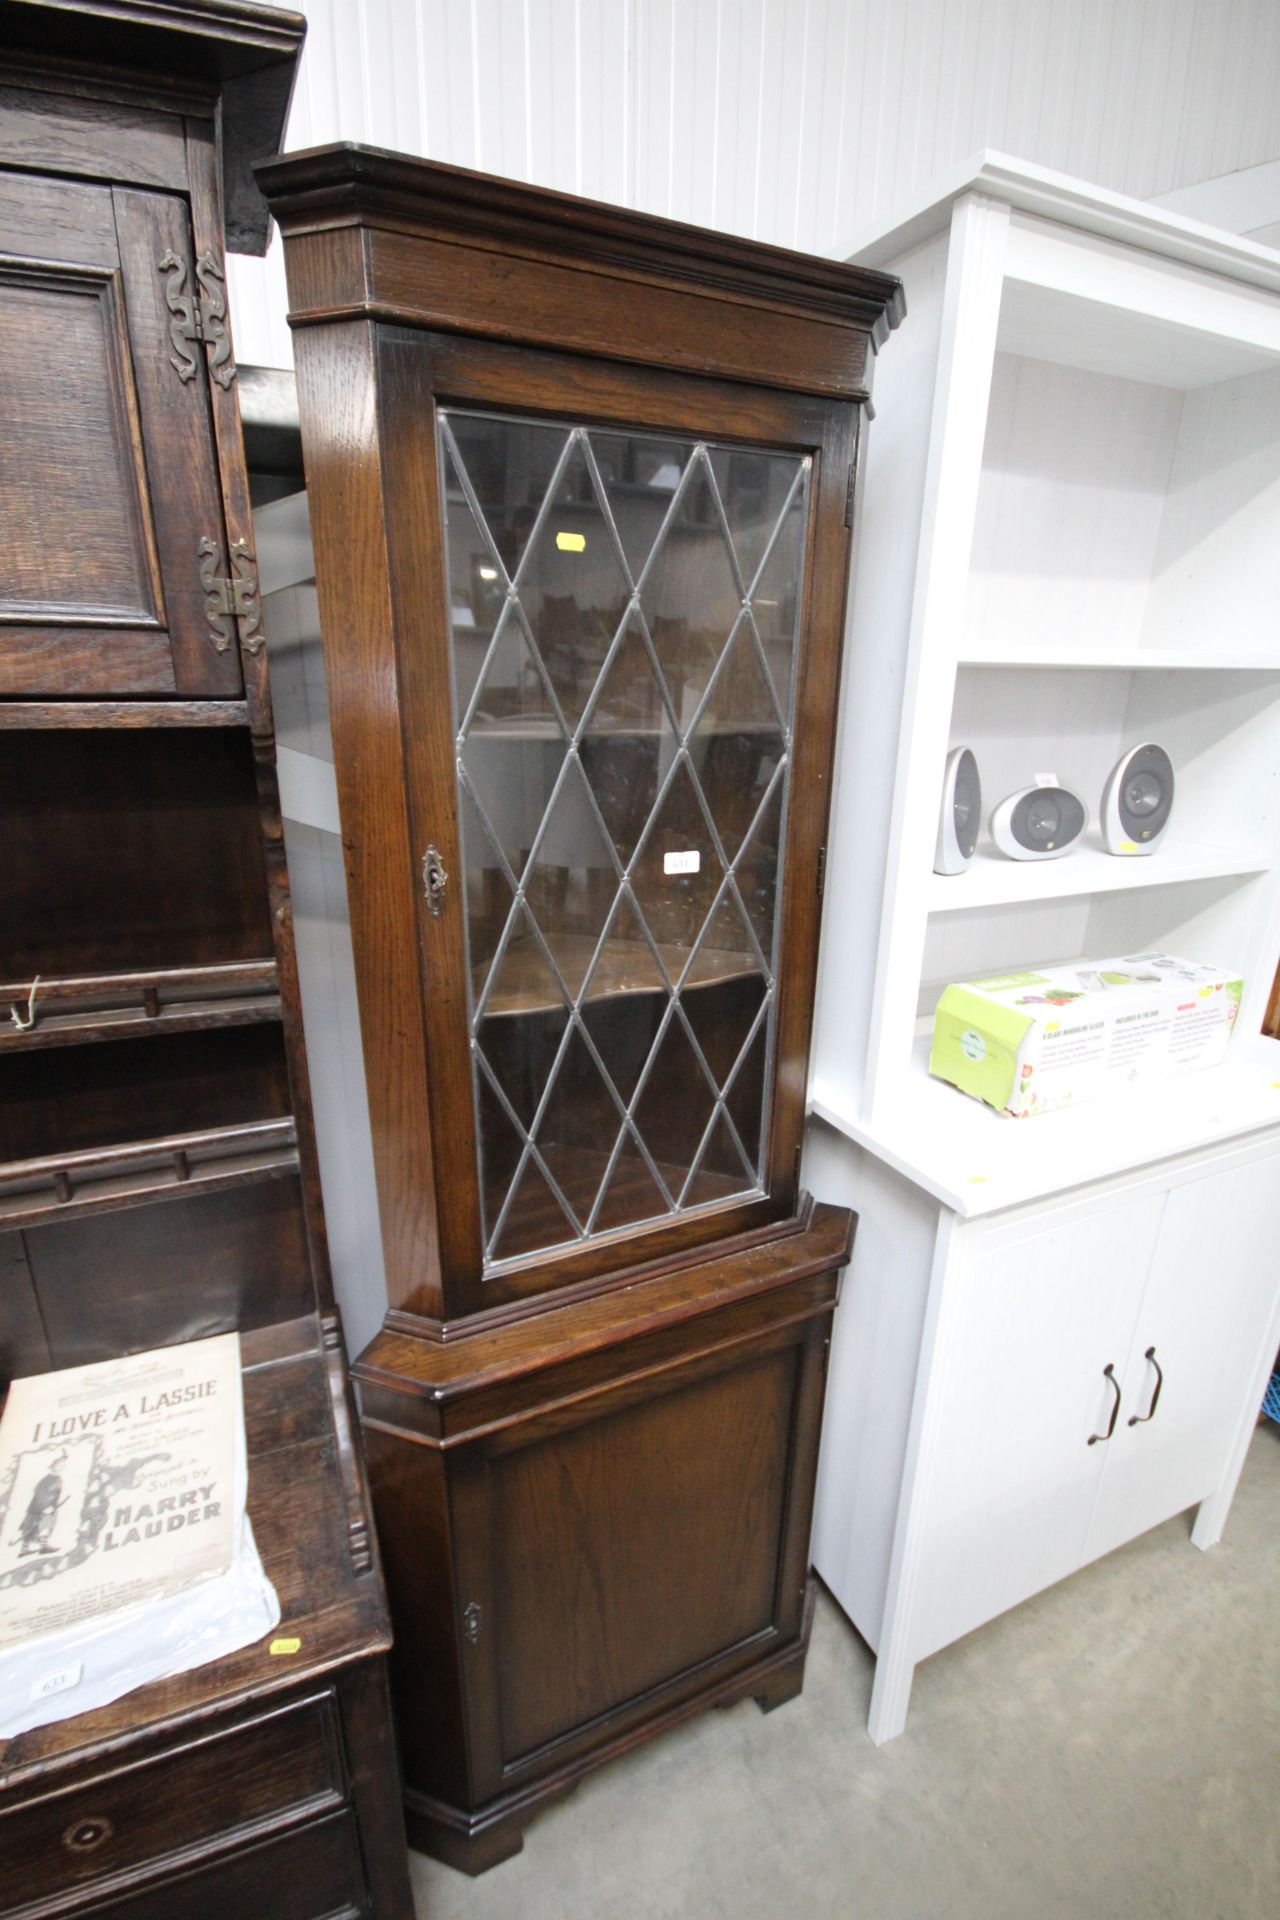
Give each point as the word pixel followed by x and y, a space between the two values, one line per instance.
pixel 1108 1751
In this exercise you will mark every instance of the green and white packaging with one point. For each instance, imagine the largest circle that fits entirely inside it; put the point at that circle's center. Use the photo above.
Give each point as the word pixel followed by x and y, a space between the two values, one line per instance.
pixel 1028 1042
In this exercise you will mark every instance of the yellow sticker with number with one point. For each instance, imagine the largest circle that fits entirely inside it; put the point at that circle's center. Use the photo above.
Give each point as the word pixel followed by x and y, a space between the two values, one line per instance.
pixel 287 1645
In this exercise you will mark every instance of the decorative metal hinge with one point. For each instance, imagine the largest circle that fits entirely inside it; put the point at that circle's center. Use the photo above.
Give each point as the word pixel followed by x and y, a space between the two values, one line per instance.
pixel 199 316
pixel 434 881
pixel 471 1623
pixel 227 600
pixel 822 871
pixel 850 491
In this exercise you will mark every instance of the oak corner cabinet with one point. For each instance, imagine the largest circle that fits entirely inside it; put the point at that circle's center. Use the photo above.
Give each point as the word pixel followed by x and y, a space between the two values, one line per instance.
pixel 580 485
pixel 158 1180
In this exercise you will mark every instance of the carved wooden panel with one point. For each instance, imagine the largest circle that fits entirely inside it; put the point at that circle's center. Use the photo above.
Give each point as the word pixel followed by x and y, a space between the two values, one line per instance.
pixel 108 480
pixel 78 540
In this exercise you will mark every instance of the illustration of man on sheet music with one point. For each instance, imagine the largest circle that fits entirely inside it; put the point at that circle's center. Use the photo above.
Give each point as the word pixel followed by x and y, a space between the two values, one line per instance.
pixel 47 1496
pixel 44 1504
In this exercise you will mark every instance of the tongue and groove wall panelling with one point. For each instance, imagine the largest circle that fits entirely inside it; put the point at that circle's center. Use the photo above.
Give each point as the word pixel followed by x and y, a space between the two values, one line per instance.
pixel 796 121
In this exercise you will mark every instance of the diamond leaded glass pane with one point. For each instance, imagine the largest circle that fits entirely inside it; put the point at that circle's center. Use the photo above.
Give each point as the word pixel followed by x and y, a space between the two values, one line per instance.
pixel 624 613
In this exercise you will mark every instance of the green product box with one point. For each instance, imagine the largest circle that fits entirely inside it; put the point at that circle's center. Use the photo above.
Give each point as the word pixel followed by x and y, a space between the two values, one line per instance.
pixel 1026 1043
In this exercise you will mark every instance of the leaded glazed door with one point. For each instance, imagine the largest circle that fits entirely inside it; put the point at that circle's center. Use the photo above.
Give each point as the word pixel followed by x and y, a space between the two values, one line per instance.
pixel 623 621
pixel 615 574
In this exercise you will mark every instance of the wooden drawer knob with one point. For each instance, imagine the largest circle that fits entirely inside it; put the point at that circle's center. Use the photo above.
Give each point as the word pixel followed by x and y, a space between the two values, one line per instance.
pixel 82 1836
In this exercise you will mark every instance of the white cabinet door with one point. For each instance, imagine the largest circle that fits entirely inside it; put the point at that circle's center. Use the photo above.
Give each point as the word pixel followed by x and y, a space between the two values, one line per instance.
pixel 1207 1308
pixel 1040 1313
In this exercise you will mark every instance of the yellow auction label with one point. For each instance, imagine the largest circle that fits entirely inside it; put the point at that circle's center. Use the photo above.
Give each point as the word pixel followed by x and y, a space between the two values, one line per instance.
pixel 288 1645
pixel 572 542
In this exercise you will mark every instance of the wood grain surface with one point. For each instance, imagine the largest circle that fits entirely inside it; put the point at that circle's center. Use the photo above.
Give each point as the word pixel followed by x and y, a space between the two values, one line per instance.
pixel 593 1462
pixel 158 1180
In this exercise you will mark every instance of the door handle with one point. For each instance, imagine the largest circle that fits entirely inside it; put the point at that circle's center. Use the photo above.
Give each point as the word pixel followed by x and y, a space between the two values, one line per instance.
pixel 1140 1419
pixel 1109 1373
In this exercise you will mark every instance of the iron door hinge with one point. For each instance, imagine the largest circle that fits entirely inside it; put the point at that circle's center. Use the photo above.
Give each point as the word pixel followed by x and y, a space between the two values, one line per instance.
pixel 197 315
pixel 471 1622
pixel 228 599
pixel 850 490
pixel 822 871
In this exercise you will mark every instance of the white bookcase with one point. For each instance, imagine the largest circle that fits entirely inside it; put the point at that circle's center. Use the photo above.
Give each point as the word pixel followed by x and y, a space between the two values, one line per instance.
pixel 1070 545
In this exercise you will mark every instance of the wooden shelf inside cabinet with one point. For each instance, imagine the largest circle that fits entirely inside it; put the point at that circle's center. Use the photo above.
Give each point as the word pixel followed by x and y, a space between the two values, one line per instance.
pixel 57 715
pixel 55 1185
pixel 625 967
pixel 104 1006
pixel 485 727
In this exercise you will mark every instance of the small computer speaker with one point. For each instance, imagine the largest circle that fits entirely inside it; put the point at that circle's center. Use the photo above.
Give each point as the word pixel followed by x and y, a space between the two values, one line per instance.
pixel 1040 822
pixel 1137 800
pixel 961 813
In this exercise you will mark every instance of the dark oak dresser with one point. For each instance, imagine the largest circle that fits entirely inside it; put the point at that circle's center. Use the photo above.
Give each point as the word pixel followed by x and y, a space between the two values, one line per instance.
pixel 580 484
pixel 157 1170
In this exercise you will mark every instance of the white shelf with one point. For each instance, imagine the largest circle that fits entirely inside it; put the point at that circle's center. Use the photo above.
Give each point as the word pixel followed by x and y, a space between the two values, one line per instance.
pixel 1124 660
pixel 991 880
pixel 979 1162
pixel 1060 197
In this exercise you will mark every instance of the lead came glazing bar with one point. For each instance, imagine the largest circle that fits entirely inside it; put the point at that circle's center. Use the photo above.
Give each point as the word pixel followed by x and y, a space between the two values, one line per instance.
pixel 624 613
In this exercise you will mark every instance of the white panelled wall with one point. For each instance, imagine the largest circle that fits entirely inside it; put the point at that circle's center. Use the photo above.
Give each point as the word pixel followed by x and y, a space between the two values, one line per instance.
pixel 795 121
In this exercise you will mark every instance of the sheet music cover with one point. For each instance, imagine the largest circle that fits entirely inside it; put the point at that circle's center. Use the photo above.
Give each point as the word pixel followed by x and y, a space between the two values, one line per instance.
pixel 121 1484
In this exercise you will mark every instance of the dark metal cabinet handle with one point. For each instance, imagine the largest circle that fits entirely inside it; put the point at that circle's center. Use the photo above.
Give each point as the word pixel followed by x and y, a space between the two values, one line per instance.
pixel 1109 1373
pixel 1140 1419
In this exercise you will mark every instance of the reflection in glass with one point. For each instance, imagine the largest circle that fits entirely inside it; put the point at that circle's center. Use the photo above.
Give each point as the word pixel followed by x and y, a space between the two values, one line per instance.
pixel 624 612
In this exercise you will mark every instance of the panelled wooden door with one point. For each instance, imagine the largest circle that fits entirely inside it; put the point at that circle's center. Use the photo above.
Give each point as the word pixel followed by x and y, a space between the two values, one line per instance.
pixel 650 1544
pixel 110 508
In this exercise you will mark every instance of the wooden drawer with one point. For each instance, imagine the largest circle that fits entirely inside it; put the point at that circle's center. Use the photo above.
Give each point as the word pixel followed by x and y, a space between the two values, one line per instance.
pixel 199 1794
pixel 313 1874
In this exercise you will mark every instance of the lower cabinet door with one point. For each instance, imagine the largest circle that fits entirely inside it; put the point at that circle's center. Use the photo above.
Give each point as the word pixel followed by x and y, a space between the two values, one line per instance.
pixel 1203 1321
pixel 1037 1314
pixel 621 1555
